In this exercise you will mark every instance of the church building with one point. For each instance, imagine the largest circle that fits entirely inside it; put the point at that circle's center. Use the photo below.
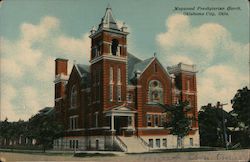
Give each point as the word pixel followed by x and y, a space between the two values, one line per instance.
pixel 118 102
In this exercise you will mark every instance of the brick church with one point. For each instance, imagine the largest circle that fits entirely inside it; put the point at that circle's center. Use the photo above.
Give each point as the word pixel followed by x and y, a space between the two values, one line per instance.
pixel 118 101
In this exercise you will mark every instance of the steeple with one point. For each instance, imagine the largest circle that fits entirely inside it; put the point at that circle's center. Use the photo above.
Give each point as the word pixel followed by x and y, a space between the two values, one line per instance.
pixel 108 20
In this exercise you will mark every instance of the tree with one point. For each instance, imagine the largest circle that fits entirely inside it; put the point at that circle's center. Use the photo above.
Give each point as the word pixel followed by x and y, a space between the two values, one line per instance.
pixel 211 125
pixel 179 123
pixel 241 109
pixel 4 130
pixel 44 128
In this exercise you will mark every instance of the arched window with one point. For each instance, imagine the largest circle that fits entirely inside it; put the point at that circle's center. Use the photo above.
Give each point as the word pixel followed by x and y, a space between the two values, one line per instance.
pixel 155 92
pixel 73 97
pixel 114 47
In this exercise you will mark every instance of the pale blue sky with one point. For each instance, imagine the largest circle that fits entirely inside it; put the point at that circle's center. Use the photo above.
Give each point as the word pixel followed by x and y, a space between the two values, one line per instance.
pixel 39 30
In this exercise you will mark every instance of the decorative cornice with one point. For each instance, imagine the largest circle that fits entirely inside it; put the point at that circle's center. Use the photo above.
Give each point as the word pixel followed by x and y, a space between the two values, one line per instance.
pixel 61 78
pixel 108 57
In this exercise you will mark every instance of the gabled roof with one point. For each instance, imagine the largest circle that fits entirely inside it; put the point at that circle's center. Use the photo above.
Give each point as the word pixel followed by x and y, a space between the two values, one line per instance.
pixel 137 65
pixel 132 61
pixel 83 71
pixel 108 21
pixel 82 68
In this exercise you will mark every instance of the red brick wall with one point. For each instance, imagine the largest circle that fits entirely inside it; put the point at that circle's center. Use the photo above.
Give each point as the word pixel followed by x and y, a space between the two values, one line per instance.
pixel 181 80
pixel 142 93
pixel 61 66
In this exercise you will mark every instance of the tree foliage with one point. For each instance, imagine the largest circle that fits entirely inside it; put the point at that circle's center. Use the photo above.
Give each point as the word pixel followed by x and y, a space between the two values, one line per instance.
pixel 241 109
pixel 179 124
pixel 211 125
pixel 44 128
pixel 241 106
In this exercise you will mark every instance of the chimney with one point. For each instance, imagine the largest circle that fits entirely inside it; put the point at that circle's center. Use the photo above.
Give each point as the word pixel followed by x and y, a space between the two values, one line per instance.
pixel 61 66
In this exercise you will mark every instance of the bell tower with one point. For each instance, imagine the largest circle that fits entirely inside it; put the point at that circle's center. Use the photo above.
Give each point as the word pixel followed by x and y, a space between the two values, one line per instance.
pixel 108 63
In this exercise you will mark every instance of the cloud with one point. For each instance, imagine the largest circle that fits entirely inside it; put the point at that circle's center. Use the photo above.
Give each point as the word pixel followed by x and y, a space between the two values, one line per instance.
pixel 221 61
pixel 175 59
pixel 199 43
pixel 219 83
pixel 30 100
pixel 6 106
pixel 31 33
pixel 76 48
pixel 10 68
pixel 27 65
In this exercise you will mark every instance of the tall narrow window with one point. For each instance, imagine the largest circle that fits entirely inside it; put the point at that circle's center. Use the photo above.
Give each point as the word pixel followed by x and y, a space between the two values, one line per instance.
pixel 73 97
pixel 114 47
pixel 97 85
pixel 96 119
pixel 156 120
pixel 111 75
pixel 188 85
pixel 99 49
pixel 118 76
pixel 111 88
pixel 155 68
pixel 119 92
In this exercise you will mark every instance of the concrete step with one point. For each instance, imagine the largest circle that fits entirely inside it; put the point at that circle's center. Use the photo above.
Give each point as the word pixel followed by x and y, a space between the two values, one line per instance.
pixel 134 145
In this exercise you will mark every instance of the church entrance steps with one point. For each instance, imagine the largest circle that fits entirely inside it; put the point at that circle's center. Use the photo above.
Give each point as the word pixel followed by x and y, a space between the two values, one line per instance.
pixel 134 144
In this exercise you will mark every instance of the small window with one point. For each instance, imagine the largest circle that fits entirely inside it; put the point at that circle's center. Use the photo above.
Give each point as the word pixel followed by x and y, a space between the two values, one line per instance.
pixel 164 142
pixel 130 98
pixel 97 144
pixel 129 120
pixel 158 143
pixel 70 143
pixel 149 120
pixel 191 141
pixel 151 143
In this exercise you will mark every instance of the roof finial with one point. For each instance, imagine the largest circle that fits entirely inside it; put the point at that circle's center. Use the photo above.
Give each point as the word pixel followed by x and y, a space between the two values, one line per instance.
pixel 155 54
pixel 109 6
pixel 74 62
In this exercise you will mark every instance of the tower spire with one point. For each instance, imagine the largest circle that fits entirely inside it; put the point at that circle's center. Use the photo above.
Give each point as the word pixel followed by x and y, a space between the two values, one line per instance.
pixel 108 6
pixel 108 20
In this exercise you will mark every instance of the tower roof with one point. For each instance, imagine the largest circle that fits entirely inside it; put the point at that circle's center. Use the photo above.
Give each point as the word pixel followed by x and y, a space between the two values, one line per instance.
pixel 108 20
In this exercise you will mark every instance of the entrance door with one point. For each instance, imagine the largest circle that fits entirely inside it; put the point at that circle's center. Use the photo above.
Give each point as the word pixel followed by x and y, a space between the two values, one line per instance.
pixel 118 125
